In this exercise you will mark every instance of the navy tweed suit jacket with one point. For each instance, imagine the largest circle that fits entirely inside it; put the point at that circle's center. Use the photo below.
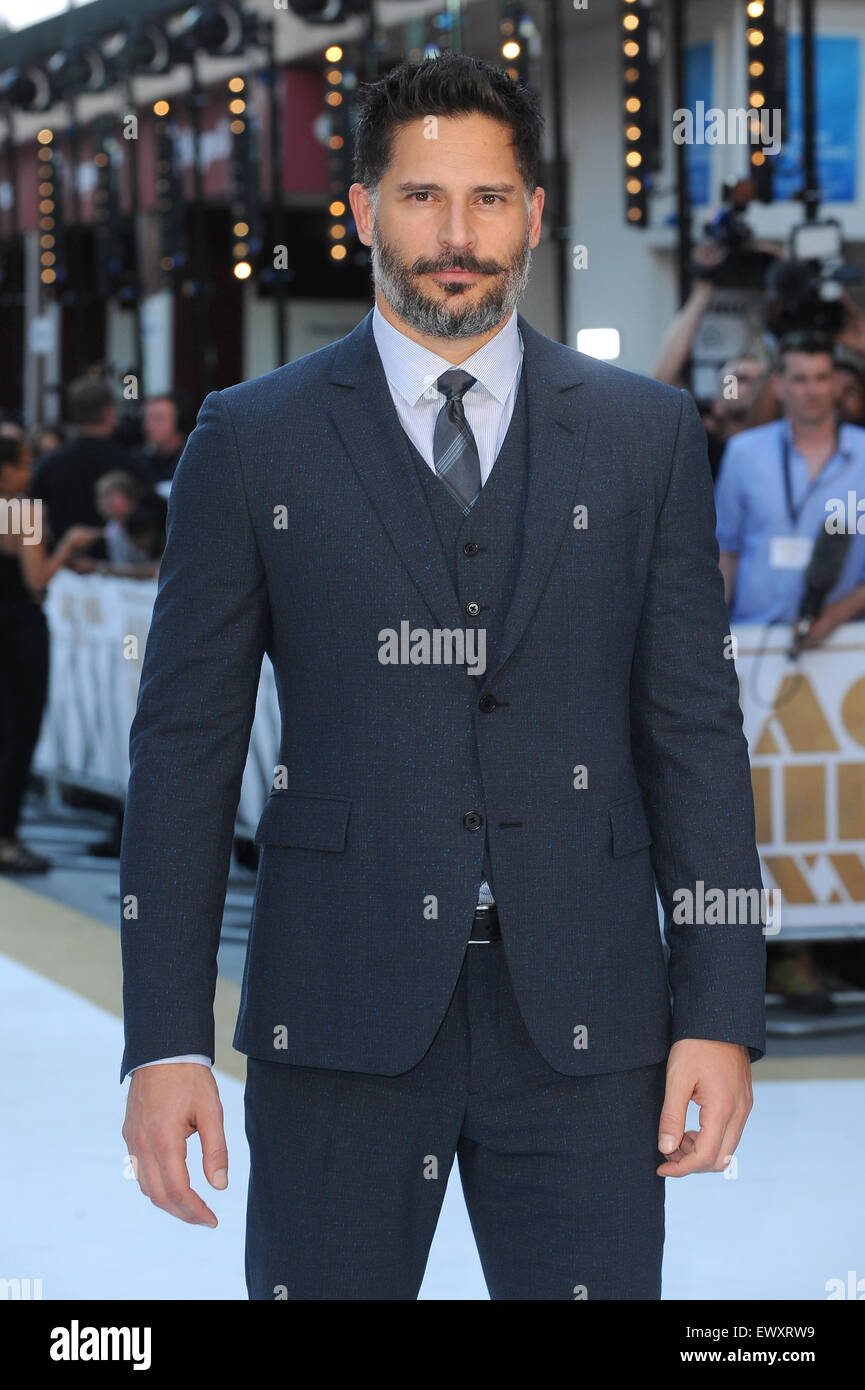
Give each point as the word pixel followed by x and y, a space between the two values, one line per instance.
pixel 297 527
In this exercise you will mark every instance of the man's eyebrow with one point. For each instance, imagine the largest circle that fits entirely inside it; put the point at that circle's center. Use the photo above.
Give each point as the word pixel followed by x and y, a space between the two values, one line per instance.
pixel 410 187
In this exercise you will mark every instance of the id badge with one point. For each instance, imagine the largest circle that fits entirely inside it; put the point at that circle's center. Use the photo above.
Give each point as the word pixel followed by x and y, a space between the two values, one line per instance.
pixel 790 552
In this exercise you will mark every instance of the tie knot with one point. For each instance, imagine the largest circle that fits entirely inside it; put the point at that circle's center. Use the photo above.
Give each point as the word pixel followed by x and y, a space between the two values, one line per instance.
pixel 455 383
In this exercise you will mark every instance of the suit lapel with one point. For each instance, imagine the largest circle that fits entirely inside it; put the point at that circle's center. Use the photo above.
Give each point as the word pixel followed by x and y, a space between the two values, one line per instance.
pixel 366 420
pixel 557 437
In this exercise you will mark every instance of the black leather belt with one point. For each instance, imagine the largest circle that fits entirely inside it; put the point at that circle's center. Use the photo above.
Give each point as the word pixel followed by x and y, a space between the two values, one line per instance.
pixel 485 926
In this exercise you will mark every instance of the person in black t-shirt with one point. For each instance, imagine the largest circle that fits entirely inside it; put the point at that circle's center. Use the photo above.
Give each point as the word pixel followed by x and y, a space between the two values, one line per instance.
pixel 65 479
pixel 25 570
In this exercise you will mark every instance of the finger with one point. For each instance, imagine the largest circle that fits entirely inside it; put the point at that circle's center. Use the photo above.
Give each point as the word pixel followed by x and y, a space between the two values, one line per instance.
pixel 175 1188
pixel 685 1147
pixel 670 1167
pixel 140 1171
pixel 672 1123
pixel 731 1136
pixel 707 1144
pixel 214 1150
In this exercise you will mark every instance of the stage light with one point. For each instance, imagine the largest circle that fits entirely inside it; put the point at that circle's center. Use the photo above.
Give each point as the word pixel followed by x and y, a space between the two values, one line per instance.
pixel 52 241
pixel 28 89
pixel 161 108
pixel 170 201
pixel 146 49
pixel 338 76
pixel 245 184
pixel 766 53
pixel 516 29
pixel 80 68
pixel 217 29
pixel 603 343
pixel 639 94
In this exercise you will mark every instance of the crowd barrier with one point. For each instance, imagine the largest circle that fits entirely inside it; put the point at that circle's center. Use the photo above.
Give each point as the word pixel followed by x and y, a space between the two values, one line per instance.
pixel 99 627
pixel 804 720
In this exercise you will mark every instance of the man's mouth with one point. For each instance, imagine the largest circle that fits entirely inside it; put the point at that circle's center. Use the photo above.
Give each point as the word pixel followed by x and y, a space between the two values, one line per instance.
pixel 456 274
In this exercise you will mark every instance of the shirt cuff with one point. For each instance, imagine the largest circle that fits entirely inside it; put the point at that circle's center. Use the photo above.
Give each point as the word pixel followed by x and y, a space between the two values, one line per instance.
pixel 190 1057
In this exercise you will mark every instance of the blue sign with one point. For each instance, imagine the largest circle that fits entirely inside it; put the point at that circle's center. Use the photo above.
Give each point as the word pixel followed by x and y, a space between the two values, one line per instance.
pixel 836 77
pixel 698 87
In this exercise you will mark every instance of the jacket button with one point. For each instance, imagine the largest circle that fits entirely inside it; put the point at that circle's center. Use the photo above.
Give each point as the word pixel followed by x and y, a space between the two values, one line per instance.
pixel 473 609
pixel 473 820
pixel 486 704
pixel 471 548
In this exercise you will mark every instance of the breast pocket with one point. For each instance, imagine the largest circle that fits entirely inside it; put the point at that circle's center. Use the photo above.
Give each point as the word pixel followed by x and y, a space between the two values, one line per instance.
pixel 603 561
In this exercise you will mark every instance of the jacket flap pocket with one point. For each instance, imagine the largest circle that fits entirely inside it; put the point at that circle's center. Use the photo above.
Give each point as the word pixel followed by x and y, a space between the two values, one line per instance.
pixel 630 826
pixel 610 530
pixel 304 820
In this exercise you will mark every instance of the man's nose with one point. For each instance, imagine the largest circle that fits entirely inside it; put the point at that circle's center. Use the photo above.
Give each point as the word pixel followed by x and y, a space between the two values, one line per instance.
pixel 455 233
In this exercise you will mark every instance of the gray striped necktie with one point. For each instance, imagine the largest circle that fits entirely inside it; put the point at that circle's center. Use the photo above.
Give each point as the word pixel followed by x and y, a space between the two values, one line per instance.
pixel 455 452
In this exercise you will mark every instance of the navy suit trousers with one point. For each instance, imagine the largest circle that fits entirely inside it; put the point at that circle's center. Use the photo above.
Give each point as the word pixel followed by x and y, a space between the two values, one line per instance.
pixel 349 1169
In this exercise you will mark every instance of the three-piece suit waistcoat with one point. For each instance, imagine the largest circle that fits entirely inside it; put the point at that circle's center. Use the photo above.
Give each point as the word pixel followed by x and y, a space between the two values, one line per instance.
pixel 483 548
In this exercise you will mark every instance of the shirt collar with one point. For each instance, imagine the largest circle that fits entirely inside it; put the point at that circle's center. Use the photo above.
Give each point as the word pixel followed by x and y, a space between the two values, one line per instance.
pixel 845 442
pixel 411 368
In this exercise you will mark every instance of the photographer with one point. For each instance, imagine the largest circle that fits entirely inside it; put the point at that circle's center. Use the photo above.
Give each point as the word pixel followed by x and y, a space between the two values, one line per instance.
pixel 725 414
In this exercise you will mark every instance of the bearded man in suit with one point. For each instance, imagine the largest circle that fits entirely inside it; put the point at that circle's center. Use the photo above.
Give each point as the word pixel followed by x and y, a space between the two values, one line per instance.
pixel 484 568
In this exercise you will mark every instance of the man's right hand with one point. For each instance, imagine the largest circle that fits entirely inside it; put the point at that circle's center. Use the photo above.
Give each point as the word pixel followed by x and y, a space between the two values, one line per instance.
pixel 166 1104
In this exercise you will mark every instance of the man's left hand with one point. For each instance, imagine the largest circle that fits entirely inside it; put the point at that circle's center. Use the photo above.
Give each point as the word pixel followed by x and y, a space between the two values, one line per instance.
pixel 717 1077
pixel 843 610
pixel 821 628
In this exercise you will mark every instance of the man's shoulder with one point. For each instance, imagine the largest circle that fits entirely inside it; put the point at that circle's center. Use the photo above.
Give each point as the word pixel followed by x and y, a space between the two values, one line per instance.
pixel 758 435
pixel 296 378
pixel 633 389
pixel 755 448
pixel 853 437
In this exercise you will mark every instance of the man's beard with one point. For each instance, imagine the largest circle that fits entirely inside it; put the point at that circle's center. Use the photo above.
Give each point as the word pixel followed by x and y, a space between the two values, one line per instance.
pixel 445 318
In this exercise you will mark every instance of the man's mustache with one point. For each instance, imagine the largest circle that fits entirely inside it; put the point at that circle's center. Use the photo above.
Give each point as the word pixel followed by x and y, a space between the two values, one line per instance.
pixel 424 268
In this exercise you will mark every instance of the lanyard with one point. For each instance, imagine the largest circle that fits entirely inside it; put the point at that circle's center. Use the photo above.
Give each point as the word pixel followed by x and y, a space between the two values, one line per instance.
pixel 796 511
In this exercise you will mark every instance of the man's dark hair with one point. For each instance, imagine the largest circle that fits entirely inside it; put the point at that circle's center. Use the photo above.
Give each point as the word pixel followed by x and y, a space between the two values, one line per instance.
pixel 453 84
pixel 804 340
pixel 146 523
pixel 11 447
pixel 87 400
pixel 184 412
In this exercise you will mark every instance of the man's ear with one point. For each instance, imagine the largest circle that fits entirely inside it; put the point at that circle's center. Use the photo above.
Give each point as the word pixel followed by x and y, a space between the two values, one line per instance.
pixel 362 210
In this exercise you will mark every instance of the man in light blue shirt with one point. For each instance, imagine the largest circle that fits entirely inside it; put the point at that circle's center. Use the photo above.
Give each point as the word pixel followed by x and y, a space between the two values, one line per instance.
pixel 780 484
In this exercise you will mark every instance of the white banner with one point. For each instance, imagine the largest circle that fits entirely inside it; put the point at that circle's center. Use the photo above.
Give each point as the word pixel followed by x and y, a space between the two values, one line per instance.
pixel 805 725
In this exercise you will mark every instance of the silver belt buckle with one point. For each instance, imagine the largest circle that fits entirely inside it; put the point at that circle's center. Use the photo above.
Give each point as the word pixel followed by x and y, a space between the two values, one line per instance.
pixel 482 907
